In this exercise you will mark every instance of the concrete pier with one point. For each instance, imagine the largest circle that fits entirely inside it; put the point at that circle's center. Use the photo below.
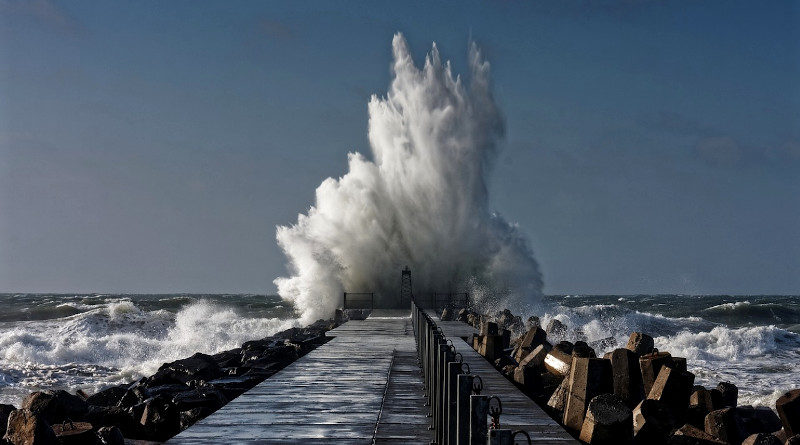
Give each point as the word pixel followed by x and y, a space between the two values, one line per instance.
pixel 363 386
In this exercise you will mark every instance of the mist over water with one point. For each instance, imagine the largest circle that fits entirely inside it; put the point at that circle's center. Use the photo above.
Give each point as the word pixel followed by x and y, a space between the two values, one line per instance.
pixel 422 200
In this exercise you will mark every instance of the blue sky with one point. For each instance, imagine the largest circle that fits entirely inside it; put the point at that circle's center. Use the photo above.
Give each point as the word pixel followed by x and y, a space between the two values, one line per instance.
pixel 652 146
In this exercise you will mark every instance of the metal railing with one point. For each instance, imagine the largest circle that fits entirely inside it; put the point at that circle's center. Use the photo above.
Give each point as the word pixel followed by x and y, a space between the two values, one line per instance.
pixel 459 412
pixel 356 300
pixel 438 301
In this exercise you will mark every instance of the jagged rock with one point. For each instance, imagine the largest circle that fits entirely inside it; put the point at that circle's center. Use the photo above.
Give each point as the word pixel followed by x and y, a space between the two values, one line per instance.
pixel 564 346
pixel 640 343
pixel 190 417
pixel 758 419
pixel 589 377
pixel 111 416
pixel 160 419
pixel 198 366
pixel 25 427
pixel 74 433
pixel 107 397
pixel 652 422
pixel 110 435
pixel 447 315
pixel 5 410
pixel 533 322
pixel 689 435
pixel 724 425
pixel 608 421
pixel 650 365
pixel 627 376
pixel 762 439
pixel 729 394
pixel 491 347
pixel 582 349
pixel 208 396
pixel 604 343
pixel 558 399
pixel 556 328
pixel 788 407
pixel 489 328
pixel 673 387
pixel 134 395
pixel 228 359
pixel 55 406
pixel 702 397
pixel 535 359
pixel 557 362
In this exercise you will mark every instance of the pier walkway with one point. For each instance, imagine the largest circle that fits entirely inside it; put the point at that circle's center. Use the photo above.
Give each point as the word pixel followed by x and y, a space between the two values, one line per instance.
pixel 363 386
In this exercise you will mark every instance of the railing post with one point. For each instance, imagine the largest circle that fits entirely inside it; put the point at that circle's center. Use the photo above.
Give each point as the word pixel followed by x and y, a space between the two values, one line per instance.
pixel 500 437
pixel 463 394
pixel 478 413
pixel 453 370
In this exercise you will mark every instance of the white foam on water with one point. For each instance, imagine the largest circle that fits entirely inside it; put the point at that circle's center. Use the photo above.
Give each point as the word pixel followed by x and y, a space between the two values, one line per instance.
pixel 117 342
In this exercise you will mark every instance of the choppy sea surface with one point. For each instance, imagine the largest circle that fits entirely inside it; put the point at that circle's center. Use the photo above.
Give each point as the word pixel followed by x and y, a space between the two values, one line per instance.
pixel 91 341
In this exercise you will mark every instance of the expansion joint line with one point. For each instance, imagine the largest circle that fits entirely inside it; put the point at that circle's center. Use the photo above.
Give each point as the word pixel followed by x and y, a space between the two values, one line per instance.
pixel 385 392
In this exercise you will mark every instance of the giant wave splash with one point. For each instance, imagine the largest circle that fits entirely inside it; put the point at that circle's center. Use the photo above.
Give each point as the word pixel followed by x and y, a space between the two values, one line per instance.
pixel 422 200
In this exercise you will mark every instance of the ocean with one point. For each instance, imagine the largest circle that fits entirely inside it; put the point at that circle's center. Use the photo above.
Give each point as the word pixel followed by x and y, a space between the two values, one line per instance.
pixel 91 341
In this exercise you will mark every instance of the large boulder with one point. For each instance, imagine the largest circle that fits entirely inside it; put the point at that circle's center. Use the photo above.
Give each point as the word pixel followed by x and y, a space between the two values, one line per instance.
pixel 589 377
pixel 788 407
pixel 652 422
pixel 690 435
pixel 556 328
pixel 160 419
pixel 5 410
pixel 729 394
pixel 627 376
pixel 110 435
pixel 762 439
pixel 107 397
pixel 640 343
pixel 26 428
pixel 56 406
pixel 725 426
pixel 197 367
pixel 608 421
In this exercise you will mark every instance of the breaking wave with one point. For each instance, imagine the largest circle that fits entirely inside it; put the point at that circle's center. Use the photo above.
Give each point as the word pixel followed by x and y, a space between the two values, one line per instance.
pixel 422 200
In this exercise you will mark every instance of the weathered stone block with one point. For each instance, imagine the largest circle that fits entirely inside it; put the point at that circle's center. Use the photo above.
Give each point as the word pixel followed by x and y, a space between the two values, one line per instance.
pixel 762 439
pixel 689 435
pixel 534 359
pixel 729 394
pixel 5 411
pixel 557 362
pixel 556 329
pixel 758 419
pixel 627 376
pixel 650 365
pixel 582 349
pixel 25 427
pixel 589 377
pixel 640 344
pixel 489 328
pixel 55 406
pixel 724 425
pixel 558 399
pixel 652 422
pixel 110 435
pixel 788 407
pixel 673 387
pixel 608 421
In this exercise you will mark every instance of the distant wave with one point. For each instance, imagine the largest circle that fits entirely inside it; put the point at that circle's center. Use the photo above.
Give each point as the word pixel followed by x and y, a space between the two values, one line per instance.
pixel 119 341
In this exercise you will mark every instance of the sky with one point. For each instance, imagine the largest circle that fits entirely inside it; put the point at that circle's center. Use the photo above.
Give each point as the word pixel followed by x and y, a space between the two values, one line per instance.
pixel 651 146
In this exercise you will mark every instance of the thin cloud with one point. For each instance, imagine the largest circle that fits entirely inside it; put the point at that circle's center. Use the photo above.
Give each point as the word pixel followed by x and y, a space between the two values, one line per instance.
pixel 44 12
